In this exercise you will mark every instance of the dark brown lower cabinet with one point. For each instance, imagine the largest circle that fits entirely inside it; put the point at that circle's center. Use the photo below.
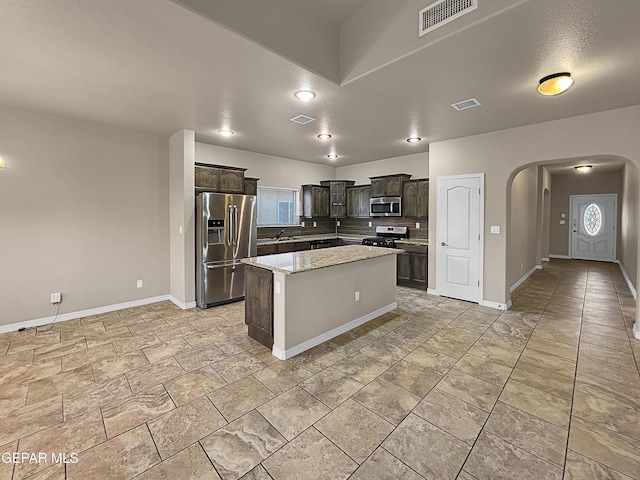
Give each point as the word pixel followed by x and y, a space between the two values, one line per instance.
pixel 269 249
pixel 293 247
pixel 258 304
pixel 412 266
pixel 285 247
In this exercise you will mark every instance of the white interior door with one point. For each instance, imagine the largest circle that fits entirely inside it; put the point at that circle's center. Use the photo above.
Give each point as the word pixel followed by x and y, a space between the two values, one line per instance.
pixel 593 227
pixel 458 236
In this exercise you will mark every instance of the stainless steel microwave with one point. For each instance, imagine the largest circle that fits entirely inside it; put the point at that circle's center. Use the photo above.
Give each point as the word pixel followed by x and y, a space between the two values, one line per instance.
pixel 385 207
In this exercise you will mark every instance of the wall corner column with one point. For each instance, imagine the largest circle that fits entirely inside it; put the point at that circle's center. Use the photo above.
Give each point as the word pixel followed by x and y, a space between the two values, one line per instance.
pixel 182 218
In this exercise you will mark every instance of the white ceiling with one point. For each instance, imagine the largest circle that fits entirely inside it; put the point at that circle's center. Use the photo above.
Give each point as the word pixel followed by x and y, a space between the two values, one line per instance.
pixel 160 66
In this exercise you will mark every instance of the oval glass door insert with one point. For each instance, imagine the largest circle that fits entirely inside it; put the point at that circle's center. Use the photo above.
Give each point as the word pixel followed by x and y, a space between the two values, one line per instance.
pixel 592 219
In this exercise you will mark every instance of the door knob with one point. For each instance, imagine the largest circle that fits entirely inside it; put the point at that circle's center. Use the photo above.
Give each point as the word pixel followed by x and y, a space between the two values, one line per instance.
pixel 444 244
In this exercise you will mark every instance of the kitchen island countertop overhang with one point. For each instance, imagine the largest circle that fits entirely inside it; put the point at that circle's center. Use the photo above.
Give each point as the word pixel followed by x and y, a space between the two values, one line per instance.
pixel 295 301
pixel 296 262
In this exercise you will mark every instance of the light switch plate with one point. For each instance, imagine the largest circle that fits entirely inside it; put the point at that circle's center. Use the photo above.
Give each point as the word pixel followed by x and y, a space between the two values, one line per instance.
pixel 562 222
pixel 495 229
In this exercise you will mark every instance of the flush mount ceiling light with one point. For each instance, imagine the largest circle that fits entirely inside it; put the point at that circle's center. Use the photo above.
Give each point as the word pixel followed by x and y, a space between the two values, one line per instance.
pixel 413 139
pixel 225 133
pixel 332 156
pixel 2 164
pixel 555 84
pixel 304 95
pixel 583 168
pixel 324 136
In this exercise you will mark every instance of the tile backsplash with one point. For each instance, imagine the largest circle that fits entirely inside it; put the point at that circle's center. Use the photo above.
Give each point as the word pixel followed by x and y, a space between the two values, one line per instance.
pixel 348 226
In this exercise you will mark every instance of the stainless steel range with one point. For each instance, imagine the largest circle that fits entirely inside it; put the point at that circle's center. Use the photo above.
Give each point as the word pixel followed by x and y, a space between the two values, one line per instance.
pixel 386 236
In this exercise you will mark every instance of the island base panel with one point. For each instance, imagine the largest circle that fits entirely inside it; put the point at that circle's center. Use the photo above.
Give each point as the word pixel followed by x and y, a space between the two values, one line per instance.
pixel 258 306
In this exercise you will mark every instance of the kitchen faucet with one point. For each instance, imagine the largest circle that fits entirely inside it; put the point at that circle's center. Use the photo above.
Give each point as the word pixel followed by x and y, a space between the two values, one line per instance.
pixel 279 234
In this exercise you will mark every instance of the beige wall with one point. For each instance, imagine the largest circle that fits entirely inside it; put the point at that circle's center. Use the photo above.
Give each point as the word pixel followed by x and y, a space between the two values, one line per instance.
pixel 544 225
pixel 416 165
pixel 523 243
pixel 272 171
pixel 629 211
pixel 562 187
pixel 84 212
pixel 500 154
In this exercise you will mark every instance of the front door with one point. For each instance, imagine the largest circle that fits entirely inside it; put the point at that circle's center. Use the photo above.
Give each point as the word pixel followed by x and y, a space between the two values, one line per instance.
pixel 593 227
pixel 458 242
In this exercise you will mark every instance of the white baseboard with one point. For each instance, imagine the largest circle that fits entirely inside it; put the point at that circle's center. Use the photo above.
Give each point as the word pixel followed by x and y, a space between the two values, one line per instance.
pixel 565 257
pixel 636 333
pixel 496 305
pixel 628 280
pixel 183 306
pixel 290 352
pixel 38 322
pixel 545 259
pixel 484 303
pixel 524 277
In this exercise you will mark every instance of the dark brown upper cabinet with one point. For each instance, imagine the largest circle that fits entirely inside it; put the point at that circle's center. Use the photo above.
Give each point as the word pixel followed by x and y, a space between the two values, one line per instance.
pixel 388 185
pixel 415 198
pixel 337 196
pixel 219 178
pixel 358 201
pixel 315 201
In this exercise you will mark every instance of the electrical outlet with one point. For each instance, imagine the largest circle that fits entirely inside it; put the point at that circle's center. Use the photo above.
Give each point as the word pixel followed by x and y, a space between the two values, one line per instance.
pixel 302 224
pixel 315 224
pixel 56 298
pixel 277 288
pixel 337 223
pixel 417 225
pixel 370 224
pixel 139 284
pixel 357 295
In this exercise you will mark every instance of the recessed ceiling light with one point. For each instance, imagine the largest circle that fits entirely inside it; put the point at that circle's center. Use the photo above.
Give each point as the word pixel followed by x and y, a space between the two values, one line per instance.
pixel 332 156
pixel 324 136
pixel 225 133
pixel 583 168
pixel 555 84
pixel 305 95
pixel 413 139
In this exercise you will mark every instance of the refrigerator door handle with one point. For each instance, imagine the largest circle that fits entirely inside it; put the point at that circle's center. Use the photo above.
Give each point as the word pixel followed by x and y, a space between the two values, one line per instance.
pixel 233 266
pixel 235 225
pixel 230 227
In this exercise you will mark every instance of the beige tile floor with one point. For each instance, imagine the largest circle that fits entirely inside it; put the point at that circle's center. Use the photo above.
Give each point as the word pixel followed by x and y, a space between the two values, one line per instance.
pixel 437 389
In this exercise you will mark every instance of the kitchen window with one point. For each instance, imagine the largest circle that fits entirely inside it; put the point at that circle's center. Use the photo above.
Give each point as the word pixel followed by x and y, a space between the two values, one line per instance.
pixel 277 206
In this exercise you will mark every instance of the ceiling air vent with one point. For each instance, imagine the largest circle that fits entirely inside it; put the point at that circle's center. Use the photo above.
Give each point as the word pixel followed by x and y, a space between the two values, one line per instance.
pixel 443 11
pixel 465 104
pixel 302 119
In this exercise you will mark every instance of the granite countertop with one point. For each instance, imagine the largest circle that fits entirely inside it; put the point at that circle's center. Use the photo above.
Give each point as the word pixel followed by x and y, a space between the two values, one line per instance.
pixel 413 241
pixel 329 236
pixel 300 238
pixel 296 262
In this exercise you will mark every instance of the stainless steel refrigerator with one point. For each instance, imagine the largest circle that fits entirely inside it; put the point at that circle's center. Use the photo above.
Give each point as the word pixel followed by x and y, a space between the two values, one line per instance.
pixel 226 232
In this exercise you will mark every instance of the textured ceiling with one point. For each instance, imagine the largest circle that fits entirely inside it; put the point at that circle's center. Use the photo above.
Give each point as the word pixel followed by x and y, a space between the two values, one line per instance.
pixel 160 66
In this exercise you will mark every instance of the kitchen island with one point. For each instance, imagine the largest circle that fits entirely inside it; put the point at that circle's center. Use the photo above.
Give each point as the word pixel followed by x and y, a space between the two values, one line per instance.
pixel 295 301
